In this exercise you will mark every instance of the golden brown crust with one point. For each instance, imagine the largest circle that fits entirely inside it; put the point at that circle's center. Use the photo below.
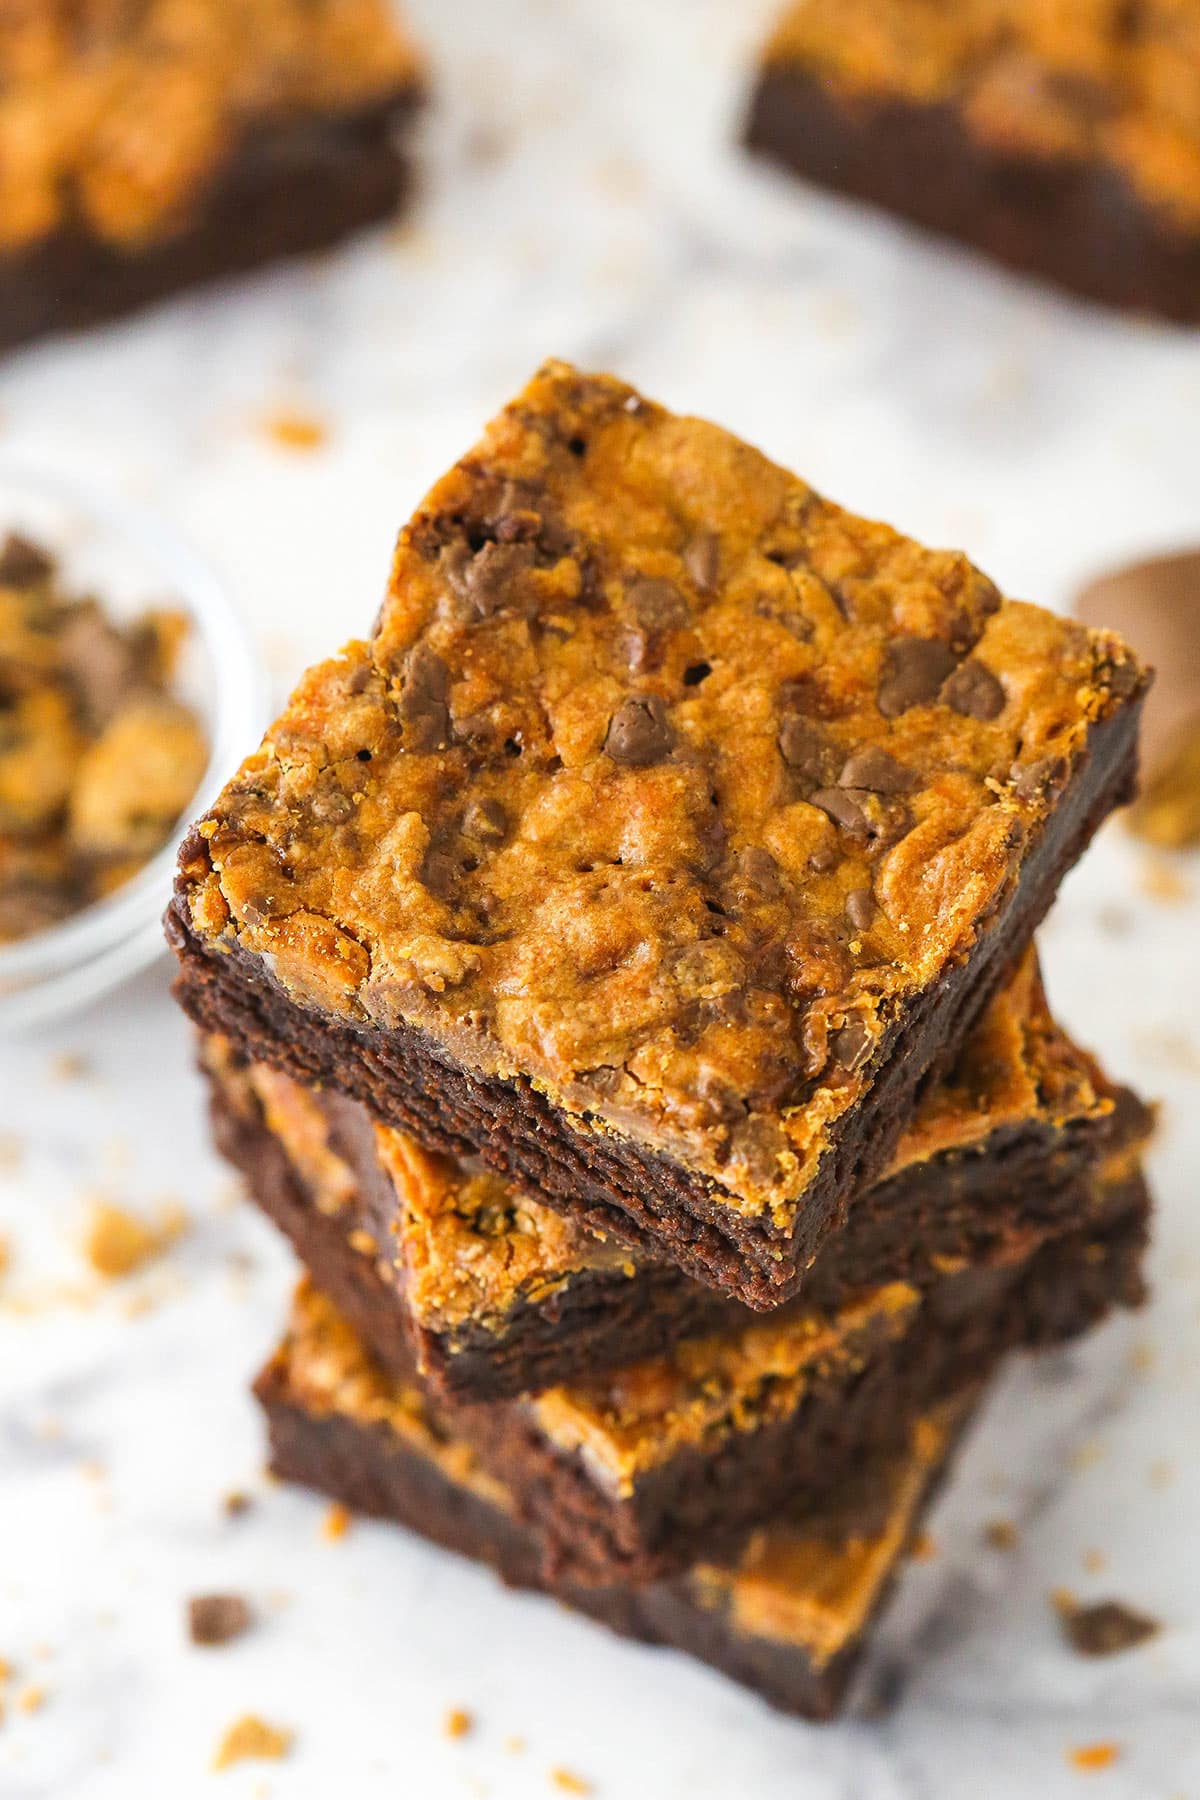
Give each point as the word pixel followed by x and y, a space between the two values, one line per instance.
pixel 663 782
pixel 1098 81
pixel 115 118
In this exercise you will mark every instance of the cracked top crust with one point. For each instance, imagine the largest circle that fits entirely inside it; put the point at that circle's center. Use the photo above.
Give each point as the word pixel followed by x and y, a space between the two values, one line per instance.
pixel 662 781
pixel 804 1583
pixel 470 1247
pixel 116 114
pixel 1100 81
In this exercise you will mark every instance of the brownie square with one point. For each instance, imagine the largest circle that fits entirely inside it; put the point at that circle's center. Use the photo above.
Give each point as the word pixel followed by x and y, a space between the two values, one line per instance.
pixel 790 1617
pixel 629 1476
pixel 671 827
pixel 501 1296
pixel 148 148
pixel 1061 141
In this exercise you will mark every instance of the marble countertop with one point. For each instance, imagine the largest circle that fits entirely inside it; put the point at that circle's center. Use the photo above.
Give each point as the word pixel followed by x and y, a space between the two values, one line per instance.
pixel 580 196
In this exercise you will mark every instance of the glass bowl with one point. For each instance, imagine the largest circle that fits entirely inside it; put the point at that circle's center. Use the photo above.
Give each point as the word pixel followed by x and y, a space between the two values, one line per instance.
pixel 130 561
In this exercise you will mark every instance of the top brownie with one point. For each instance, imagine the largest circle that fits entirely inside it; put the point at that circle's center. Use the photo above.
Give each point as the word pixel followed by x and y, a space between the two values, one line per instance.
pixel 116 119
pixel 672 825
pixel 1089 81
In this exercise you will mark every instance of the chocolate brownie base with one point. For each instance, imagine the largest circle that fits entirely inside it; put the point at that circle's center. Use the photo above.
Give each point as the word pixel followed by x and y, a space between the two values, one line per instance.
pixel 703 1500
pixel 368 1468
pixel 611 1184
pixel 1075 223
pixel 1024 1182
pixel 288 189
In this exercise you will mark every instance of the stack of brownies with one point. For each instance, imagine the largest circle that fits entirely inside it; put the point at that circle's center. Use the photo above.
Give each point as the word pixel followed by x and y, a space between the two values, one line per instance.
pixel 616 980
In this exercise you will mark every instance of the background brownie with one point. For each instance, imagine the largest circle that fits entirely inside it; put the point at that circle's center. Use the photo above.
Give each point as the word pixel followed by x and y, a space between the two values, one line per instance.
pixel 790 1617
pixel 671 827
pixel 1061 140
pixel 147 148
pixel 502 1296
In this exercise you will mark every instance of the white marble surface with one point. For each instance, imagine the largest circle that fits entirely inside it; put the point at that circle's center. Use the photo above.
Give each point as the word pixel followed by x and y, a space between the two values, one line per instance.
pixel 581 197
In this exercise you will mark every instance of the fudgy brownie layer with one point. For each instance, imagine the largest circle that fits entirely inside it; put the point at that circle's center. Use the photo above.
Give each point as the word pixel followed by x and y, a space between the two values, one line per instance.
pixel 1076 223
pixel 612 1184
pixel 998 1198
pixel 370 1469
pixel 703 1501
pixel 287 189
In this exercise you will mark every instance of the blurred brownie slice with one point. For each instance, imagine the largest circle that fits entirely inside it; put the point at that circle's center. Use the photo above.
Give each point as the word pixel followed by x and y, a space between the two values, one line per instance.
pixel 790 1617
pixel 146 148
pixel 1061 140
pixel 501 1296
pixel 671 828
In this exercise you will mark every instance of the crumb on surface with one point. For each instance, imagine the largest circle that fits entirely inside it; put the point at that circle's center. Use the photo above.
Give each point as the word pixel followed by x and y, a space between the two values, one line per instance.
pixel 31 1699
pixel 12 1152
pixel 1089 1758
pixel 1160 880
pixel 1000 1534
pixel 1095 1561
pixel 69 1065
pixel 252 1739
pixel 1162 1473
pixel 116 1242
pixel 567 1782
pixel 336 1522
pixel 514 1745
pixel 215 1619
pixel 290 428
pixel 458 1722
pixel 924 1547
pixel 235 1503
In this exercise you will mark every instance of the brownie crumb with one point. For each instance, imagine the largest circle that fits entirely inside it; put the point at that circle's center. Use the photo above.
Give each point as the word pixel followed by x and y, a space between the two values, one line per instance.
pixel 236 1503
pixel 1105 1628
pixel 569 1783
pixel 1000 1534
pixel 218 1618
pixel 1090 1758
pixel 251 1738
pixel 117 1242
pixel 291 429
pixel 458 1722
pixel 336 1522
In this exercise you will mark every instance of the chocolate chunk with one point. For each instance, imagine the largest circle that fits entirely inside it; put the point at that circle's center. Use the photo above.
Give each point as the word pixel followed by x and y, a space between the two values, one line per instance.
pixel 422 705
pixel 487 579
pixel 878 772
pixel 758 872
pixel 823 858
pixel 913 671
pixel 702 560
pixel 974 691
pixel 802 747
pixel 841 806
pixel 656 605
pixel 1106 1628
pixel 1037 778
pixel 23 563
pixel 860 908
pixel 217 1618
pixel 485 820
pixel 638 732
pixel 850 1046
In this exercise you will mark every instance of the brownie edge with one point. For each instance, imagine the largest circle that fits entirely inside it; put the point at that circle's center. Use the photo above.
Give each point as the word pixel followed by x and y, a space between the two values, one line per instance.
pixel 1077 224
